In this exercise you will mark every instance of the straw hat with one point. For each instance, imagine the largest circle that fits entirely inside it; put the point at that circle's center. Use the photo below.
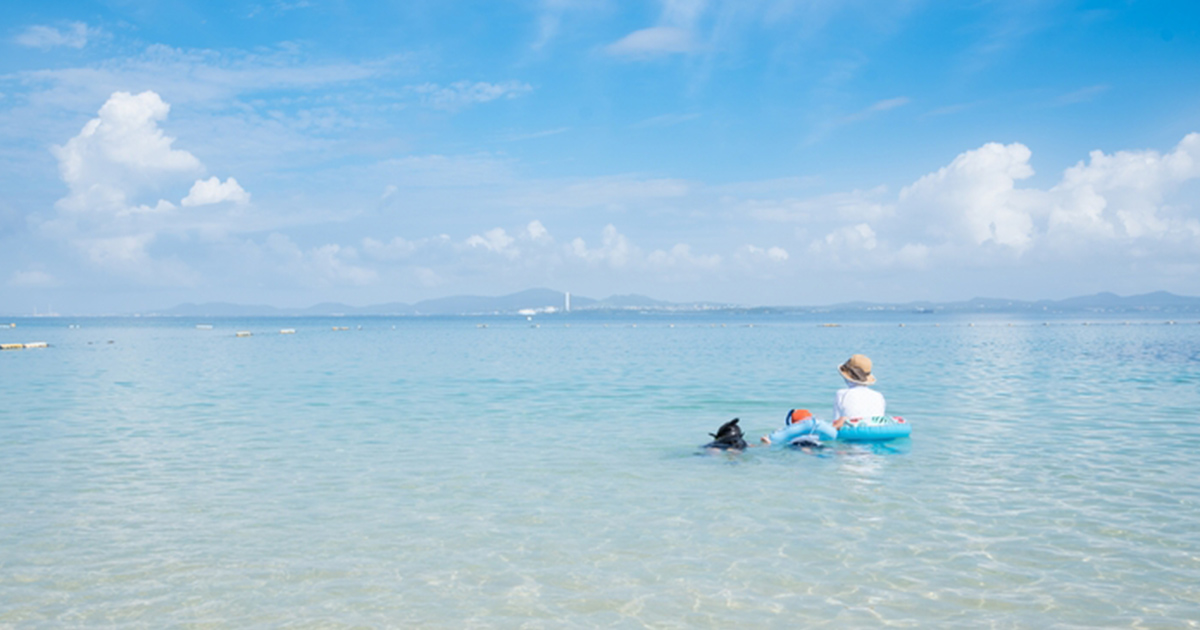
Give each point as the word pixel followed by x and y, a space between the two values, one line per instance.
pixel 857 369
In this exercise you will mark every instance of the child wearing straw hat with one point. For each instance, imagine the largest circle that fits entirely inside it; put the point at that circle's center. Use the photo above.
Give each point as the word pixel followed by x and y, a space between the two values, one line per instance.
pixel 857 399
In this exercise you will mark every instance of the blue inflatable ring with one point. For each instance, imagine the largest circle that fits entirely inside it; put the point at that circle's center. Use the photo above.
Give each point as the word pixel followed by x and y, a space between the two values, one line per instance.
pixel 874 429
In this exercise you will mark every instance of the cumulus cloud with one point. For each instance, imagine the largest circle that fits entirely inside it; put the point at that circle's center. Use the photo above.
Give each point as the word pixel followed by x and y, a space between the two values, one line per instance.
pixel 1122 195
pixel 463 93
pixel 537 231
pixel 973 210
pixel 975 197
pixel 210 191
pixel 495 240
pixel 120 153
pixel 116 170
pixel 614 250
pixel 73 35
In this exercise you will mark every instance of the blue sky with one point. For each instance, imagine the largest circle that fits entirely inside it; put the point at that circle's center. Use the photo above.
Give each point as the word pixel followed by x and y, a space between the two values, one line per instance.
pixel 773 152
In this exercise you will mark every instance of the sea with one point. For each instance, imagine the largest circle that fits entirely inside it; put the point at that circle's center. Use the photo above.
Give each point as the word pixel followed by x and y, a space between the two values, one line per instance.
pixel 548 472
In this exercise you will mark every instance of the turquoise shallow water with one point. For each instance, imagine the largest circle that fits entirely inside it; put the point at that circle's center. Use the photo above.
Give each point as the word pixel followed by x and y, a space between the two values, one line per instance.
pixel 432 473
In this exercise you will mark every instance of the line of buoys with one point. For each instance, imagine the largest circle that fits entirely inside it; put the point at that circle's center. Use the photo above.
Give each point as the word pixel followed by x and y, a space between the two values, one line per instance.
pixel 204 327
pixel 288 331
pixel 341 328
pixel 22 346
pixel 243 333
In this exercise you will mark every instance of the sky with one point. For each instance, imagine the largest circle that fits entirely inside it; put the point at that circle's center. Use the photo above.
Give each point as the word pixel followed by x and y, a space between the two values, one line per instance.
pixel 773 152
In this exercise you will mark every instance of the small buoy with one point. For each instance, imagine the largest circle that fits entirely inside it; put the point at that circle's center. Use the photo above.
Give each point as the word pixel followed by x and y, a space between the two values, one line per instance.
pixel 243 333
pixel 671 326
pixel 1170 322
pixel 901 325
pixel 288 331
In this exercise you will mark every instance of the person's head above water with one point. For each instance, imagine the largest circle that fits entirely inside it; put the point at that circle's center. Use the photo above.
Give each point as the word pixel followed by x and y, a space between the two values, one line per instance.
pixel 857 370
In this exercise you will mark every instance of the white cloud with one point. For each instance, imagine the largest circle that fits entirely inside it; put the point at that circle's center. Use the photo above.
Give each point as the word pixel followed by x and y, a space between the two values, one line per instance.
pixel 681 256
pixel 463 93
pixel 656 40
pixel 398 248
pixel 1125 205
pixel 666 120
pixel 495 240
pixel 537 231
pixel 877 107
pixel 856 205
pixel 119 251
pixel 975 200
pixel 119 154
pixel 675 32
pixel 32 278
pixel 73 35
pixel 325 265
pixel 768 254
pixel 1123 194
pixel 116 169
pixel 852 239
pixel 210 191
pixel 615 249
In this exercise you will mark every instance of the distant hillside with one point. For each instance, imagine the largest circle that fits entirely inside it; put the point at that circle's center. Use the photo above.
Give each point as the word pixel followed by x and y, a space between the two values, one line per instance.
pixel 1100 303
pixel 547 300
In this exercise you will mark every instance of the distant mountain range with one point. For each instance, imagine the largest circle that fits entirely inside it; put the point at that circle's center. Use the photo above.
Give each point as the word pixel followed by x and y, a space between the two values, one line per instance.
pixel 550 301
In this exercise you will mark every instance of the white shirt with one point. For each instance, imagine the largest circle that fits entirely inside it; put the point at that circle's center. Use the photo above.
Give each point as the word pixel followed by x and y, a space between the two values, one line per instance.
pixel 858 401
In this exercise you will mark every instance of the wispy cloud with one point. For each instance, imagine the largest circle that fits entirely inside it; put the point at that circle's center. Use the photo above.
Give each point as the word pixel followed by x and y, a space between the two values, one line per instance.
pixel 73 35
pixel 463 93
pixel 948 110
pixel 675 33
pixel 665 120
pixel 1082 95
pixel 536 134
pixel 876 108
pixel 654 41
